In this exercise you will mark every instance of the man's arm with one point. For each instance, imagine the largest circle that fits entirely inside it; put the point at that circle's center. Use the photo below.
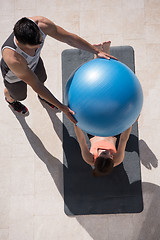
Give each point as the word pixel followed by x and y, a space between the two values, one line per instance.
pixel 57 32
pixel 119 156
pixel 17 64
pixel 87 156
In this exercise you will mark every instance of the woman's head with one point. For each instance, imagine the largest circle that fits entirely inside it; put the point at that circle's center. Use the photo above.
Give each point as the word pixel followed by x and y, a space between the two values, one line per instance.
pixel 27 32
pixel 103 164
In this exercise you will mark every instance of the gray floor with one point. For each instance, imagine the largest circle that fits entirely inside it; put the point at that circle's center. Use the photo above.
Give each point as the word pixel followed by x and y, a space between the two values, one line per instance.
pixel 31 198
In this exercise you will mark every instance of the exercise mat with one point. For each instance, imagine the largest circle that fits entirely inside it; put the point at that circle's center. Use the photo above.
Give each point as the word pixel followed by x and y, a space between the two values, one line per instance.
pixel 84 194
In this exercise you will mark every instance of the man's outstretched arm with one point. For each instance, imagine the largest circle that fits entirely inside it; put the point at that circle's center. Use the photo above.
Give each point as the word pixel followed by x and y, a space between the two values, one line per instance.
pixel 60 34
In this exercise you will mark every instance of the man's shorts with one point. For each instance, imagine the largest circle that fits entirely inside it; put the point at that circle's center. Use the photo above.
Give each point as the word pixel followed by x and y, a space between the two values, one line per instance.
pixel 18 90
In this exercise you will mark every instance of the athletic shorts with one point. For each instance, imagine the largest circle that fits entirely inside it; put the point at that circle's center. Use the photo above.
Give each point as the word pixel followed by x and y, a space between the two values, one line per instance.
pixel 18 90
pixel 91 136
pixel 117 136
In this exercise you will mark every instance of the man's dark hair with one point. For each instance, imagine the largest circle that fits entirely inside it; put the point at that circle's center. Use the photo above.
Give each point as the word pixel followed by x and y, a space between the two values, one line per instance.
pixel 27 32
pixel 103 165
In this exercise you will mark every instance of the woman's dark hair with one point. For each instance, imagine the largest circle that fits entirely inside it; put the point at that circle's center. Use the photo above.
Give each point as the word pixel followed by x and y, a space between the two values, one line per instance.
pixel 103 165
pixel 27 32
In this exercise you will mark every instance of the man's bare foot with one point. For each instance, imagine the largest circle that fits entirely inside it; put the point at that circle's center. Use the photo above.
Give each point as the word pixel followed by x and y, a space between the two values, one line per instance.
pixel 106 47
pixel 100 47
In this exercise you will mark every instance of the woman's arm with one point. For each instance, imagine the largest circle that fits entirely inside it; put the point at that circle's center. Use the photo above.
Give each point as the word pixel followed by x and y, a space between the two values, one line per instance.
pixel 119 156
pixel 87 156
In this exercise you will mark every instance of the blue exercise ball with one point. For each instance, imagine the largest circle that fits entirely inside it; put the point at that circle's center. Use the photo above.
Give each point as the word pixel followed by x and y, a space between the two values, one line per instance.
pixel 105 95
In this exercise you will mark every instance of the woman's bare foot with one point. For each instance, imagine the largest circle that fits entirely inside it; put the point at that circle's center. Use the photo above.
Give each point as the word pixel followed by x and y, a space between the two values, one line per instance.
pixel 100 47
pixel 106 47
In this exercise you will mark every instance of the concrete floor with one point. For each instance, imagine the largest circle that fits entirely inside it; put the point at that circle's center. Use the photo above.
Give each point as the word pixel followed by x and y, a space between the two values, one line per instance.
pixel 31 202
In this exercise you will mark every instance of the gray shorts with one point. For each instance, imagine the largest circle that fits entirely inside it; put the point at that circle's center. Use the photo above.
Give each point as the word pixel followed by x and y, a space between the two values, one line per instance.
pixel 18 90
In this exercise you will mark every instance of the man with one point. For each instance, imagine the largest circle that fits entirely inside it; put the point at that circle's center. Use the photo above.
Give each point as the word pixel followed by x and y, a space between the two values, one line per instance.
pixel 21 63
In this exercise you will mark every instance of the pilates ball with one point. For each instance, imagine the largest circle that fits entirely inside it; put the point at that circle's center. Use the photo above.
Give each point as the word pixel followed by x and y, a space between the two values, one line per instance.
pixel 105 95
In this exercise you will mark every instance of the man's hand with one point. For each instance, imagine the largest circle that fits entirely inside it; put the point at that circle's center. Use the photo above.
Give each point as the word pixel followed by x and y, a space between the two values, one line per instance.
pixel 69 113
pixel 102 54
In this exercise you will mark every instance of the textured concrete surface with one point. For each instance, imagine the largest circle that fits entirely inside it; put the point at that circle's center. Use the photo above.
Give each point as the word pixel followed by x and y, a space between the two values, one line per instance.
pixel 31 190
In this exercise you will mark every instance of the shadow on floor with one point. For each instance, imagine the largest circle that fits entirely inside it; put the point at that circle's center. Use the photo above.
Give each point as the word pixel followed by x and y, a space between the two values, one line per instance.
pixel 148 158
pixel 55 167
pixel 141 226
pixel 146 224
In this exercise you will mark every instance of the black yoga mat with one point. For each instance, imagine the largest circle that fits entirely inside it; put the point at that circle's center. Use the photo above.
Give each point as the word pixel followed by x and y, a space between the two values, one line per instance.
pixel 84 194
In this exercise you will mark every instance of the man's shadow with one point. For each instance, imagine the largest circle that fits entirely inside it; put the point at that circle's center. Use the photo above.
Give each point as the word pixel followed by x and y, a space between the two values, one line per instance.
pixel 55 167
pixel 148 159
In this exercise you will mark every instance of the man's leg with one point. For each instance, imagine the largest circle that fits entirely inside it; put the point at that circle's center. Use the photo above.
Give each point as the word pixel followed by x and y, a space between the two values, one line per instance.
pixel 15 92
pixel 7 96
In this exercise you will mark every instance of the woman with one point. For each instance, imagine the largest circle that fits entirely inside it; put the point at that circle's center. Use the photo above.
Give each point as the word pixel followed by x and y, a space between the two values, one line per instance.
pixel 103 154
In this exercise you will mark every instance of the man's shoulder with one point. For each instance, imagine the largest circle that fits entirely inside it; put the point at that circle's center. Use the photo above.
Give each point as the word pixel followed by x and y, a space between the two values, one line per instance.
pixel 11 57
pixel 45 24
pixel 39 20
